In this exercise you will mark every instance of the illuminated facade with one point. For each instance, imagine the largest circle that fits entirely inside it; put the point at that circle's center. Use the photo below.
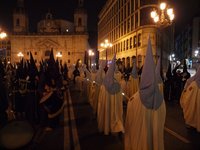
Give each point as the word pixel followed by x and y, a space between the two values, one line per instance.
pixel 70 39
pixel 127 25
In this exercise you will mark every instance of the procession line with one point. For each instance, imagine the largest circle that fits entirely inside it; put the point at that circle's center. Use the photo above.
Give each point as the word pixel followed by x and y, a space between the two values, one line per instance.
pixel 177 135
pixel 66 125
pixel 73 124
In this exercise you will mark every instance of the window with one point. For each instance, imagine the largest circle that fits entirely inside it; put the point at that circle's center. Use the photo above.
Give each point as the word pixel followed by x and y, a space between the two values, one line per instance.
pixel 17 22
pixel 68 53
pixel 131 39
pixel 35 53
pixel 27 53
pixel 127 44
pixel 134 41
pixel 79 22
pixel 68 60
pixel 139 39
pixel 47 53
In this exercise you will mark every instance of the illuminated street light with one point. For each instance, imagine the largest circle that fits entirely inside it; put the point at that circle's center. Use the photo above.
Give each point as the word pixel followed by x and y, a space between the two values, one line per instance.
pixel 105 45
pixel 59 55
pixel 91 54
pixel 20 55
pixel 163 16
pixel 3 35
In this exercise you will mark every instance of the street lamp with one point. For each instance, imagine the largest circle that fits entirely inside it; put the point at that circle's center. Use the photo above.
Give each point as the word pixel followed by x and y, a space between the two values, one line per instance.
pixel 20 55
pixel 90 53
pixel 163 16
pixel 3 35
pixel 105 45
pixel 59 55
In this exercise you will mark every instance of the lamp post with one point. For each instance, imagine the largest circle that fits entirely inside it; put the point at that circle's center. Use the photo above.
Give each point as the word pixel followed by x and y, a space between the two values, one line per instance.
pixel 20 55
pixel 3 35
pixel 91 54
pixel 163 16
pixel 59 55
pixel 105 45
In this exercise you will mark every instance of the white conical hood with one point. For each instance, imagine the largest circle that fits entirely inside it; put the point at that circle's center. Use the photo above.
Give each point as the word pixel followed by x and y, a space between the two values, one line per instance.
pixel 134 73
pixel 100 73
pixel 196 78
pixel 150 94
pixel 111 85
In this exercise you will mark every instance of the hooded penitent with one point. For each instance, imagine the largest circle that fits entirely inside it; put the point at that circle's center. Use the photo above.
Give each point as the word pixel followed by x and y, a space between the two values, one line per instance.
pixel 150 95
pixel 111 85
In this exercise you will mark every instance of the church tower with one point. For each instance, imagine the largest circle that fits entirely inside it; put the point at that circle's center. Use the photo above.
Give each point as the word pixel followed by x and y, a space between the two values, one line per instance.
pixel 20 18
pixel 80 18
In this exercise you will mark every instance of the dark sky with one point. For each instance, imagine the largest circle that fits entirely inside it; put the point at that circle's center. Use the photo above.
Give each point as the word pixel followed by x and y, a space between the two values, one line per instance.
pixel 184 11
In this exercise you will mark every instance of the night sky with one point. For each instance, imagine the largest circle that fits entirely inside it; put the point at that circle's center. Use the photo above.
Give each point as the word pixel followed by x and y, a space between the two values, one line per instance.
pixel 63 9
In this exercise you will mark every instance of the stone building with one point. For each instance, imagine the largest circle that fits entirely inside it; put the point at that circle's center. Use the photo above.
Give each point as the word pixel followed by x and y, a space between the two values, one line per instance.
pixel 127 25
pixel 66 38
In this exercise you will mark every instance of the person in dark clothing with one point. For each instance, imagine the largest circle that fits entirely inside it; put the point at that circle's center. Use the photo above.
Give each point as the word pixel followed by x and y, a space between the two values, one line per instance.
pixel 3 98
pixel 76 73
pixel 176 84
pixel 168 84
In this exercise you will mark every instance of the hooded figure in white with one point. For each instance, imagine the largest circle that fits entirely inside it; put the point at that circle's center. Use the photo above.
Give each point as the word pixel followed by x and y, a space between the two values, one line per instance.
pixel 94 93
pixel 110 107
pixel 190 101
pixel 144 127
pixel 133 83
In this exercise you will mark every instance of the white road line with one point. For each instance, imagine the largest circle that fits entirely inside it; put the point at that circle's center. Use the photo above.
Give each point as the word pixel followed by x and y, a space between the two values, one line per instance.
pixel 73 124
pixel 66 125
pixel 183 139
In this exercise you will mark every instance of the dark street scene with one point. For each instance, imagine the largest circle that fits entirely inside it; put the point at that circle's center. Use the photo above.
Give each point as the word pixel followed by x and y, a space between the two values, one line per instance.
pixel 99 75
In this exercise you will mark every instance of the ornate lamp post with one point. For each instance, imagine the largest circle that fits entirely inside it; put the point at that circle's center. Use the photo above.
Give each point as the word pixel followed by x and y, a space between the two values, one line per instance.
pixel 163 16
pixel 105 45
pixel 91 54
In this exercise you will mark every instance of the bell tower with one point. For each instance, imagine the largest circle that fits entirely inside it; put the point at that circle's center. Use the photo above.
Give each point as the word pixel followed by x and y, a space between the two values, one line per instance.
pixel 80 18
pixel 20 18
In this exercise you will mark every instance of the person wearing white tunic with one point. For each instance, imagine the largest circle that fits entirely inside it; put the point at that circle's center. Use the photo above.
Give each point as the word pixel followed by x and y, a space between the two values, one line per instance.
pixel 190 101
pixel 144 126
pixel 98 82
pixel 110 107
pixel 133 83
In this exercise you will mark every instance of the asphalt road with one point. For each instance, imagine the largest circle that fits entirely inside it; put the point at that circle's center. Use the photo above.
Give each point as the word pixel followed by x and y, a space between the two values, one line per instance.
pixel 78 129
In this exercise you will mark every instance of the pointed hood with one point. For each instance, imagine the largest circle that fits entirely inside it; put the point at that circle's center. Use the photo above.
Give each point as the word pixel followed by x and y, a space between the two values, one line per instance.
pixel 157 72
pixel 134 73
pixel 33 71
pixel 196 78
pixel 99 75
pixel 150 94
pixel 111 85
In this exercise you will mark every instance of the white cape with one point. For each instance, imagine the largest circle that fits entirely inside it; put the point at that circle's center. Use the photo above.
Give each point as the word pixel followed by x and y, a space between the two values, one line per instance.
pixel 190 103
pixel 144 128
pixel 110 112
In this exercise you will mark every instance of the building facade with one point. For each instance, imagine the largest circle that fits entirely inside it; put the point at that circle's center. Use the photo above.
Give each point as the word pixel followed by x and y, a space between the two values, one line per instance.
pixel 187 43
pixel 69 39
pixel 127 25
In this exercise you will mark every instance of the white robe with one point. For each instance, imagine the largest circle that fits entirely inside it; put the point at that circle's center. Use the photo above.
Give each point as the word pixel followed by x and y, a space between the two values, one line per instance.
pixel 190 103
pixel 144 128
pixel 110 112
pixel 133 86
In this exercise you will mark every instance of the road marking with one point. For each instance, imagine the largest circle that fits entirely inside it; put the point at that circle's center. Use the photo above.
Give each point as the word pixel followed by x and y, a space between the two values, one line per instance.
pixel 183 139
pixel 73 124
pixel 66 125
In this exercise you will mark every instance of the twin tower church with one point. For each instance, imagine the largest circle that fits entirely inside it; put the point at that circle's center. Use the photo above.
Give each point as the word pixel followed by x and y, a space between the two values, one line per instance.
pixel 66 38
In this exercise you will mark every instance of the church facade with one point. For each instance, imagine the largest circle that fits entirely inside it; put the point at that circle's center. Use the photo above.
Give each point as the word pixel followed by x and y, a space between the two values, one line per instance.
pixel 69 40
